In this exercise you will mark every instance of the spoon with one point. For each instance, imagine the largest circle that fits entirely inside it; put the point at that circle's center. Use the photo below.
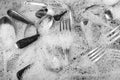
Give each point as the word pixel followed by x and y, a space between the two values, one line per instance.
pixel 22 43
pixel 19 17
pixel 57 17
pixel 21 72
pixel 41 12
pixel 108 15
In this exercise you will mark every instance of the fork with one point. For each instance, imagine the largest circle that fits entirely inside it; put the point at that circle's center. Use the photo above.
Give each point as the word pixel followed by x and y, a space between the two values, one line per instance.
pixel 112 36
pixel 65 37
pixel 96 54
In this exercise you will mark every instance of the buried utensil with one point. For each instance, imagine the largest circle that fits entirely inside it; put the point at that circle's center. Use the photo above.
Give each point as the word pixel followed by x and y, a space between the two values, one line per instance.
pixel 14 14
pixel 108 15
pixel 7 38
pixel 57 17
pixel 34 3
pixel 21 72
pixel 37 5
pixel 45 24
pixel 111 36
pixel 65 25
pixel 7 32
pixel 41 12
pixel 22 43
pixel 5 20
pixel 93 56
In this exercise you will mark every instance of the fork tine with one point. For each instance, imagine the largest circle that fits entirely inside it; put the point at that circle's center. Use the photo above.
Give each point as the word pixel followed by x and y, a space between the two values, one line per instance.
pixel 69 24
pixel 66 23
pixel 60 26
pixel 63 25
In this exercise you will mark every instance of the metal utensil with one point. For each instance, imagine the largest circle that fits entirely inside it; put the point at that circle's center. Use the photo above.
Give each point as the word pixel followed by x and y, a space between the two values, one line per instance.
pixel 42 12
pixel 95 54
pixel 22 71
pixel 57 17
pixel 34 3
pixel 14 14
pixel 65 25
pixel 108 15
pixel 4 20
pixel 26 41
pixel 112 36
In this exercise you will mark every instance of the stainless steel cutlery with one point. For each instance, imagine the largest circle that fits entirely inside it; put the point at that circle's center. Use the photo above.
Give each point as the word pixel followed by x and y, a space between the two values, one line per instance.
pixel 95 54
pixel 41 12
pixel 111 36
pixel 22 43
pixel 65 25
pixel 58 17
pixel 16 15
pixel 5 20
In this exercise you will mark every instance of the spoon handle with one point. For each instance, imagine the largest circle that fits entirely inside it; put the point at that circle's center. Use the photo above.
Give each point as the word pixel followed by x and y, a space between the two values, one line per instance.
pixel 26 41
pixel 19 17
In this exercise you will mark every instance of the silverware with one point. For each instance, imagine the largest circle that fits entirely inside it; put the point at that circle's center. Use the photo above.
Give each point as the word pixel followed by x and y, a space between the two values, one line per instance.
pixel 21 72
pixel 22 43
pixel 7 20
pixel 19 17
pixel 4 20
pixel 65 25
pixel 108 15
pixel 57 17
pixel 31 3
pixel 112 36
pixel 42 12
pixel 96 54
